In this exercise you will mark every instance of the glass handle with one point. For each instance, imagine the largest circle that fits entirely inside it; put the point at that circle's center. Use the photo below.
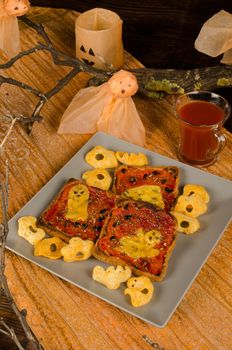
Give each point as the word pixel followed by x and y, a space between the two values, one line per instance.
pixel 221 140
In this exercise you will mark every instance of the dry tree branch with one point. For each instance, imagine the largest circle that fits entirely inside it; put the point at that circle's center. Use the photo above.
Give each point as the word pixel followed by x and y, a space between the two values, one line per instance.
pixel 155 83
pixel 21 315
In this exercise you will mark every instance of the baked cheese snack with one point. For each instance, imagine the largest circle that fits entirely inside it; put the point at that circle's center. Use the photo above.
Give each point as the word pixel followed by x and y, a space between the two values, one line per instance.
pixel 139 235
pixel 166 177
pixel 78 210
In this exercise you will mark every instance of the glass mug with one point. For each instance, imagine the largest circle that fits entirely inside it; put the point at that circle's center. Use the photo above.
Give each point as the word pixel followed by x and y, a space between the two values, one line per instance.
pixel 201 115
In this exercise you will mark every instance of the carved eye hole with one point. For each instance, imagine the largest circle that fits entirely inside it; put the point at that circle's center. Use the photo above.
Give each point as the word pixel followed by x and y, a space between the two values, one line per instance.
pixel 184 224
pixel 53 247
pixel 100 176
pixel 189 208
pixel 99 156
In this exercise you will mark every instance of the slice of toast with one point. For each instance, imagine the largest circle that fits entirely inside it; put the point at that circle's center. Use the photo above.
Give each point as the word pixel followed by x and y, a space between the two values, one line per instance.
pixel 61 217
pixel 139 235
pixel 167 177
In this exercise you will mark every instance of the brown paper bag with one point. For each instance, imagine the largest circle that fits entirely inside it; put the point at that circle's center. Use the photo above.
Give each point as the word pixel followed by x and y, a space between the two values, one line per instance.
pixel 215 36
pixel 109 108
pixel 9 30
pixel 99 38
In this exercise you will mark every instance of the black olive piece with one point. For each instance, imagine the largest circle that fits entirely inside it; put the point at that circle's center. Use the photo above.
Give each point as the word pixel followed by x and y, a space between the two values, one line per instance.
pixel 97 228
pixel 113 238
pixel 102 211
pixel 123 171
pixel 126 206
pixel 132 179
pixel 76 224
pixel 145 176
pixel 32 229
pixel 168 190
pixel 127 217
pixel 99 156
pixel 145 291
pixel 189 208
pixel 100 219
pixel 53 247
pixel 100 176
pixel 163 181
pixel 155 172
pixel 184 224
pixel 84 226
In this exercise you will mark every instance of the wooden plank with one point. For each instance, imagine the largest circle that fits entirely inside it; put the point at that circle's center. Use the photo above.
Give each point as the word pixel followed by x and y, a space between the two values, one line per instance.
pixel 61 315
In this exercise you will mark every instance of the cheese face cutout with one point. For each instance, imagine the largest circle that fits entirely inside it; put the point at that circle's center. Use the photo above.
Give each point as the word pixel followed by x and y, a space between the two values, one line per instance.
pixel 100 157
pixel 99 178
pixel 146 193
pixel 27 229
pixel 77 204
pixel 140 289
pixel 140 245
pixel 136 159
pixel 190 189
pixel 112 277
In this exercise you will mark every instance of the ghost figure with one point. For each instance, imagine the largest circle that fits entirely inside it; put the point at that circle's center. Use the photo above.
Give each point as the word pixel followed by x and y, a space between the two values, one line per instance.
pixel 9 30
pixel 107 108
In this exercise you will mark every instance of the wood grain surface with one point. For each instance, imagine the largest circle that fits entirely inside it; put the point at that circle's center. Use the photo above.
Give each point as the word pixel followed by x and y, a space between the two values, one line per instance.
pixel 61 315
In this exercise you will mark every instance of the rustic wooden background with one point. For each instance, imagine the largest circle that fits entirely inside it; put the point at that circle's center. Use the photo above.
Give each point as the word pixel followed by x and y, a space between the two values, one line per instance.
pixel 156 47
pixel 159 33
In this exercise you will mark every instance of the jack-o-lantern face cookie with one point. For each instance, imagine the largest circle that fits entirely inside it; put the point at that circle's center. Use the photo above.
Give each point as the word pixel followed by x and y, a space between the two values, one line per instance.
pixel 100 157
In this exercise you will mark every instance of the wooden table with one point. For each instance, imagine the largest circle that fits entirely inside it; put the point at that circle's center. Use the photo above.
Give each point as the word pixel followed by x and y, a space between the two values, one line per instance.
pixel 61 315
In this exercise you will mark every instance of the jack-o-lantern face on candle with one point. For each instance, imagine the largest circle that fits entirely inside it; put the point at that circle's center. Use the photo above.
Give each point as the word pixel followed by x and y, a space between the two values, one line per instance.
pixel 88 55
pixel 99 39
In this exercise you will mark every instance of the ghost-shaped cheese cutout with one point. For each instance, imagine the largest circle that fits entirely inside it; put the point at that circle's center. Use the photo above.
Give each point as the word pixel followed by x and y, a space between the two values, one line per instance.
pixel 77 204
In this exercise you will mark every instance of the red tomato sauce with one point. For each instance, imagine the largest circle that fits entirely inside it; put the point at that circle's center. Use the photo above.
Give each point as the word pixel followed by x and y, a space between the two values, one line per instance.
pixel 129 177
pixel 100 203
pixel 124 221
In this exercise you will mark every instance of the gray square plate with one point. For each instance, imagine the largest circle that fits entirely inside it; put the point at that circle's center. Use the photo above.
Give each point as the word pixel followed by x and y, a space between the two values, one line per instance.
pixel 188 256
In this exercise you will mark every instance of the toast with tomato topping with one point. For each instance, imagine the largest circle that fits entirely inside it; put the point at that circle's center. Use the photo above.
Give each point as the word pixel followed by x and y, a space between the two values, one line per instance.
pixel 164 177
pixel 139 235
pixel 78 210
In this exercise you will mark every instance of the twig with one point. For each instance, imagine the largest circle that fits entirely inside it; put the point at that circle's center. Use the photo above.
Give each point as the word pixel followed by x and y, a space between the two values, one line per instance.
pixel 154 83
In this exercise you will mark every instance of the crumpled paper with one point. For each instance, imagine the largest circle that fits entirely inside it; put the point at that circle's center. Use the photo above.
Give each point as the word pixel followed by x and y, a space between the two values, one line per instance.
pixel 215 37
pixel 109 108
pixel 9 30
